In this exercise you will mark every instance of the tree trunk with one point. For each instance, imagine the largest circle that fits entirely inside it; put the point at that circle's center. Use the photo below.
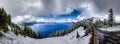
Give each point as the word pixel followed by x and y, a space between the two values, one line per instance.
pixel 94 38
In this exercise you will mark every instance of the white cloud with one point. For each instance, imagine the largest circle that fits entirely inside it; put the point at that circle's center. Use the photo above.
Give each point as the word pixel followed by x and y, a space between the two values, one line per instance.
pixel 36 4
pixel 29 18
pixel 39 7
pixel 40 20
pixel 58 7
pixel 24 18
pixel 25 10
pixel 88 10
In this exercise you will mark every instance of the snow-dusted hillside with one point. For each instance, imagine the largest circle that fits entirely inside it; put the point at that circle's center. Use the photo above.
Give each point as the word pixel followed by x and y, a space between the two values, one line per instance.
pixel 110 35
pixel 68 39
pixel 11 38
pixel 115 28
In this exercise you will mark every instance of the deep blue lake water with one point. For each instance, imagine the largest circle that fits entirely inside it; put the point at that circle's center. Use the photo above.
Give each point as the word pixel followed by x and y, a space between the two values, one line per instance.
pixel 47 28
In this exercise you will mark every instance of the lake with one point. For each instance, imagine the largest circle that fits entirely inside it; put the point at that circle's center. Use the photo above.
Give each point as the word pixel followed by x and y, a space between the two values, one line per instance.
pixel 47 28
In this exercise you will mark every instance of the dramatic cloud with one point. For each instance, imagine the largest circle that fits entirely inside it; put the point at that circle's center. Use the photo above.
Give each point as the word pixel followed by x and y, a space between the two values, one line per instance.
pixel 22 7
pixel 89 8
pixel 105 5
pixel 39 7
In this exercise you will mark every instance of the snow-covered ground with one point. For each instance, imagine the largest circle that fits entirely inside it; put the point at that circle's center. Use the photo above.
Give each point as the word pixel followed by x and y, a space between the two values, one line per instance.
pixel 115 28
pixel 110 35
pixel 11 38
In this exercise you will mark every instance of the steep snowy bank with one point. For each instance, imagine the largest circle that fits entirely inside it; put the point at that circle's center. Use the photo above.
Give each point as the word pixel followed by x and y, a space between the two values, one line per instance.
pixel 11 38
pixel 110 35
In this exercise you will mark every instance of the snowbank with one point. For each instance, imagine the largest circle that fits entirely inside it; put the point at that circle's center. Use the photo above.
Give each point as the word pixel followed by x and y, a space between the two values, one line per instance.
pixel 11 38
pixel 116 28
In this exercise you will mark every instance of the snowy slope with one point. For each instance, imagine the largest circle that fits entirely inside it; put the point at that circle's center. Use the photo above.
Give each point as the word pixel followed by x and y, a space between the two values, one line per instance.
pixel 68 39
pixel 10 38
pixel 110 35
pixel 115 28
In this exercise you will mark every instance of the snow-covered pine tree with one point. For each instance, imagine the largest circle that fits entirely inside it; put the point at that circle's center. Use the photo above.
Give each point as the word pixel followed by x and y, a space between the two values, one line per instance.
pixel 5 20
pixel 111 18
pixel 40 35
pixel 77 36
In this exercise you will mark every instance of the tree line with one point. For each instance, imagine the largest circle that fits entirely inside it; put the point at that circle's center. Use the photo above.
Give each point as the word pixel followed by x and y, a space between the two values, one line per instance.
pixel 5 24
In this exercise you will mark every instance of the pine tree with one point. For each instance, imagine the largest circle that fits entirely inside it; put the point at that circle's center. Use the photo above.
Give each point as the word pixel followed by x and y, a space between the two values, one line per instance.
pixel 5 20
pixel 16 31
pixel 25 30
pixel 3 17
pixel 77 35
pixel 52 34
pixel 110 18
pixel 40 35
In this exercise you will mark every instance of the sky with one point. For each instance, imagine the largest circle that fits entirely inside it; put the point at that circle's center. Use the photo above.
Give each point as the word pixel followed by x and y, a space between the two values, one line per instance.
pixel 58 10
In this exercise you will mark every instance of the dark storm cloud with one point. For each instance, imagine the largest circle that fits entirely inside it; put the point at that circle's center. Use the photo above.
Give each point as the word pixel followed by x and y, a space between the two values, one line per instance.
pixel 46 7
pixel 12 6
pixel 39 7
pixel 27 9
pixel 105 5
pixel 89 8
pixel 60 6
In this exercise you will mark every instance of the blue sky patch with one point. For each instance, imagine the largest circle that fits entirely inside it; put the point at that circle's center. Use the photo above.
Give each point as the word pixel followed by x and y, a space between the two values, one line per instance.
pixel 72 15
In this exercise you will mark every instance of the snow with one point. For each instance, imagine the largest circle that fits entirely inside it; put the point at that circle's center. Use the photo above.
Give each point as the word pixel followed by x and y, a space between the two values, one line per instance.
pixel 9 27
pixel 11 38
pixel 115 28
pixel 56 40
pixel 68 39
pixel 85 40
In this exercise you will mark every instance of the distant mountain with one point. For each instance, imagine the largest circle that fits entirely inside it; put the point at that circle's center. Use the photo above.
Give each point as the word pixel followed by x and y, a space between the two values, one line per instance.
pixel 28 23
pixel 32 23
